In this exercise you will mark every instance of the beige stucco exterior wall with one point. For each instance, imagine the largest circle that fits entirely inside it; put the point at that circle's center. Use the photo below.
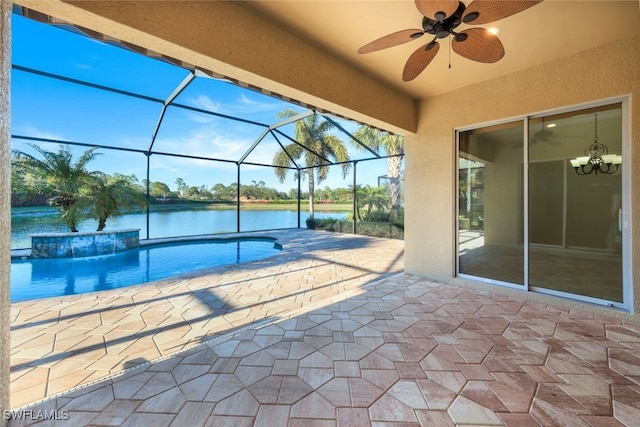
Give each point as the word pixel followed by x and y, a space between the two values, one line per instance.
pixel 611 70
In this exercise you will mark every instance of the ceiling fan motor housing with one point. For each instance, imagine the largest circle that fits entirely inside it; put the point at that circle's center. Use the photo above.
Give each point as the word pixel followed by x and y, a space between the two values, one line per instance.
pixel 442 28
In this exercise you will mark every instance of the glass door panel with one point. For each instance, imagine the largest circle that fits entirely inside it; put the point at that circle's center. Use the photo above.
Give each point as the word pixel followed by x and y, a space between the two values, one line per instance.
pixel 546 202
pixel 575 239
pixel 490 202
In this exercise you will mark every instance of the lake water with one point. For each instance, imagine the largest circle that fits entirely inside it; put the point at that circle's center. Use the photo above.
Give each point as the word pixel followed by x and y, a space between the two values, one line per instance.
pixel 25 222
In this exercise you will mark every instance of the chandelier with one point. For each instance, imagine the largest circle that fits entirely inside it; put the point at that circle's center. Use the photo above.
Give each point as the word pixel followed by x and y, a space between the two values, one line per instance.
pixel 597 158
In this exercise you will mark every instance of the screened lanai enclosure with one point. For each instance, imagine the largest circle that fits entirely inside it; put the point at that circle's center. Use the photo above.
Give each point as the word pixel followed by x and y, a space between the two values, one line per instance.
pixel 210 155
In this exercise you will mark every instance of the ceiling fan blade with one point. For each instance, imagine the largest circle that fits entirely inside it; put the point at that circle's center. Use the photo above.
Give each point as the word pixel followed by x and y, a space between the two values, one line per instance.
pixel 437 9
pixel 485 11
pixel 390 40
pixel 419 60
pixel 479 45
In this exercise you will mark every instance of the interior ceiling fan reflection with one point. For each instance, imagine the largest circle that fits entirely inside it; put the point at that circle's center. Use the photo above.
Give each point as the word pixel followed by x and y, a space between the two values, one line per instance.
pixel 543 135
pixel 440 19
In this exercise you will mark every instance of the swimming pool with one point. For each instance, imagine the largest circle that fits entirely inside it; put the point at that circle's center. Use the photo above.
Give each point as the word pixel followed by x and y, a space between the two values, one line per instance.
pixel 33 278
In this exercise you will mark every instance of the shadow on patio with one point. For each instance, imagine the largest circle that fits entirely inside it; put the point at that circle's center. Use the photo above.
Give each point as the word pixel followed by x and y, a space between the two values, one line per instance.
pixel 61 343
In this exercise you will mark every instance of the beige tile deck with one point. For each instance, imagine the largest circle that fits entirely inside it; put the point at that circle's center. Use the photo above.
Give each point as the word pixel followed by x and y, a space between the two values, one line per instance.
pixel 399 351
pixel 61 343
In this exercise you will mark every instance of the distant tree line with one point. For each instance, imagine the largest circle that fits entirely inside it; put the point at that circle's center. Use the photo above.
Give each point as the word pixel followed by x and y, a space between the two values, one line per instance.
pixel 61 181
pixel 23 195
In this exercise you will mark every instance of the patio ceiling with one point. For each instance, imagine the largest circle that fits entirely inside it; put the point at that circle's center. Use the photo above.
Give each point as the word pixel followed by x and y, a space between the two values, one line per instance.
pixel 547 31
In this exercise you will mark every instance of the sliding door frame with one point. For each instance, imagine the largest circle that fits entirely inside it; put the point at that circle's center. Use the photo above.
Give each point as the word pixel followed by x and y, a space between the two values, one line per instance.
pixel 626 215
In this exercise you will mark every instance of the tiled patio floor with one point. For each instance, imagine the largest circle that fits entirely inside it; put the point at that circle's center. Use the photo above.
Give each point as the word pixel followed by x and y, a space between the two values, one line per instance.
pixel 399 351
pixel 60 343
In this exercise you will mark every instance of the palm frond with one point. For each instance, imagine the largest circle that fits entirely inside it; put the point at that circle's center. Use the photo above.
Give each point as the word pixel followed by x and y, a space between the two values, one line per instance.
pixel 376 139
pixel 286 114
pixel 55 173
pixel 282 160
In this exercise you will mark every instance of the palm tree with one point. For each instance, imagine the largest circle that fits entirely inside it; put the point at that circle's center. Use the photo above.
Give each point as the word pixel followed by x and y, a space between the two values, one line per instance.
pixel 373 197
pixel 58 175
pixel 393 145
pixel 313 143
pixel 110 196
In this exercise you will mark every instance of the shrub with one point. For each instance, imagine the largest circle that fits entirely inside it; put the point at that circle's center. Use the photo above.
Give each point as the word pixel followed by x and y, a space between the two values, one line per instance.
pixel 322 224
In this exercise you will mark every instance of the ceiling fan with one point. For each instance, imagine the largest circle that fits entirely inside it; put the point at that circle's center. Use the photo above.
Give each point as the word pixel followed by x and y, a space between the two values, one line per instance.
pixel 544 135
pixel 440 19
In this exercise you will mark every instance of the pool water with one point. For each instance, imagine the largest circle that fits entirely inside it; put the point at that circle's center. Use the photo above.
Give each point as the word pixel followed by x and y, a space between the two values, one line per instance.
pixel 48 277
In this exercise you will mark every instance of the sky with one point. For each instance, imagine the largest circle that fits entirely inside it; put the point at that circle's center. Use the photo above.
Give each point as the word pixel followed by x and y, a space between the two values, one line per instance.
pixel 43 107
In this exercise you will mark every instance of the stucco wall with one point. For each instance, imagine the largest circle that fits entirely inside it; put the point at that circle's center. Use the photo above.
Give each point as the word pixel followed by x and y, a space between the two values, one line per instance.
pixel 607 71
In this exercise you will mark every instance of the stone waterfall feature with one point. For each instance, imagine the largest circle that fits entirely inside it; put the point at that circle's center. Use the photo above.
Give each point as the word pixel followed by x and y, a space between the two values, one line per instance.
pixel 76 245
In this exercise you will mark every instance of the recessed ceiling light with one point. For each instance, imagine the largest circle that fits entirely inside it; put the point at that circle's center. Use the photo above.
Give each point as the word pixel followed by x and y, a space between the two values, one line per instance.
pixel 551 125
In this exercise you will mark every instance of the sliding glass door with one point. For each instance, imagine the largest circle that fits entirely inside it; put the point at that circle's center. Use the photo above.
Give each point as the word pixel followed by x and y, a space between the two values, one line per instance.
pixel 540 204
pixel 490 217
pixel 575 237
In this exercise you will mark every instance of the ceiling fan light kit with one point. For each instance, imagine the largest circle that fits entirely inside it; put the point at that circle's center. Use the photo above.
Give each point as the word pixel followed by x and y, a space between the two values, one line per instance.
pixel 440 19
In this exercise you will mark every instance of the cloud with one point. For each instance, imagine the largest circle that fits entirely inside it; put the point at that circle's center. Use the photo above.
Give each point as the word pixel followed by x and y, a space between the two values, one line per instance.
pixel 84 66
pixel 206 103
pixel 193 171
pixel 199 118
pixel 263 153
pixel 206 141
pixel 250 105
pixel 244 107
pixel 30 130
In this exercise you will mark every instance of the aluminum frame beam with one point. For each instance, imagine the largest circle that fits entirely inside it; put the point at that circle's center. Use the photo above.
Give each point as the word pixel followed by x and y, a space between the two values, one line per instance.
pixel 254 145
pixel 284 150
pixel 339 126
pixel 306 148
pixel 176 92
pixel 85 83
pixel 291 119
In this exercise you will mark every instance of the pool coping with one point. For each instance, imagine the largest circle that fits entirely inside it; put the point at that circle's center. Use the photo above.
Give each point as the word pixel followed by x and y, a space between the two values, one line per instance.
pixel 26 252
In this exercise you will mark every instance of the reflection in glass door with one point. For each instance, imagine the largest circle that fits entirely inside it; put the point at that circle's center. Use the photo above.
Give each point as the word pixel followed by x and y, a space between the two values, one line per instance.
pixel 490 210
pixel 545 215
pixel 575 238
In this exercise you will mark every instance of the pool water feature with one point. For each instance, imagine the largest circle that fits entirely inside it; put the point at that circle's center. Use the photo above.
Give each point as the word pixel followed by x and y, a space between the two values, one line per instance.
pixel 33 278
